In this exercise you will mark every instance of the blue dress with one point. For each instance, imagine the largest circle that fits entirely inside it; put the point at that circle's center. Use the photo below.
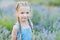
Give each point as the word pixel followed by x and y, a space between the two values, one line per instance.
pixel 25 35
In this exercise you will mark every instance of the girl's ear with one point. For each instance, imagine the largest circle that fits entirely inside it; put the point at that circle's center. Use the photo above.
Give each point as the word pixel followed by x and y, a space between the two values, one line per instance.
pixel 30 15
pixel 17 13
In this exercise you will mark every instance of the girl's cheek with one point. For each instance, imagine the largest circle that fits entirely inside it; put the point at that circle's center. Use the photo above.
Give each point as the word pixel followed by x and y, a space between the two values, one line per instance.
pixel 29 16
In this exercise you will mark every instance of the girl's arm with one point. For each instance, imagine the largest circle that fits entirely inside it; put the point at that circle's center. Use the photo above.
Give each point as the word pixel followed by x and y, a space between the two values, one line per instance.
pixel 33 36
pixel 14 33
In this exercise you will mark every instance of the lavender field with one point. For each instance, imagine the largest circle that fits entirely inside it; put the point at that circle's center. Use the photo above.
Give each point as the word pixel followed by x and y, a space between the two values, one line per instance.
pixel 46 19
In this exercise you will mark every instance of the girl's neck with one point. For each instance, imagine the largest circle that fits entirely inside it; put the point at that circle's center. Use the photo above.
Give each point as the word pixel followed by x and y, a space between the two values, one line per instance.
pixel 24 22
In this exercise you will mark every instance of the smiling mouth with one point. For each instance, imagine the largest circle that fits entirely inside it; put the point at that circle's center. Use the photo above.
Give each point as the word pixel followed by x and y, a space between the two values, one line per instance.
pixel 23 18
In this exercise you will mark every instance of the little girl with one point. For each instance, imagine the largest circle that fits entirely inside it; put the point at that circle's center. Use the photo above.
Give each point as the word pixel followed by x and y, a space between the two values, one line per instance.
pixel 22 30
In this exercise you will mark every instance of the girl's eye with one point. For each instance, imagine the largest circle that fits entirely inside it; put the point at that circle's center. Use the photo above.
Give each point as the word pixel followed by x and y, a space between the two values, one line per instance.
pixel 27 12
pixel 22 12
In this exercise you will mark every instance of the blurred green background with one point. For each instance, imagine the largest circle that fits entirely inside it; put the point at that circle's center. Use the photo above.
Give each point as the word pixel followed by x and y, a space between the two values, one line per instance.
pixel 46 19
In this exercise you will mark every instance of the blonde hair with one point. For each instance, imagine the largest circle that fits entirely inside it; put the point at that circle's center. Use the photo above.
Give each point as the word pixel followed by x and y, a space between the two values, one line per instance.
pixel 22 3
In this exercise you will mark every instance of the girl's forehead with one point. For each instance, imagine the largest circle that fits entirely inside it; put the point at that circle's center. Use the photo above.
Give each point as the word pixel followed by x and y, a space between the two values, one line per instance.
pixel 24 9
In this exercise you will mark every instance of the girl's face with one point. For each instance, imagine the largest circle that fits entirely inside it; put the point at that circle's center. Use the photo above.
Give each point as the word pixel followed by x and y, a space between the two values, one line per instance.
pixel 24 13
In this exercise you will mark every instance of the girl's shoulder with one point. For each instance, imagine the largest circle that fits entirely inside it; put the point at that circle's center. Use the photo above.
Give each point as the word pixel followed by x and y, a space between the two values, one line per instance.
pixel 16 26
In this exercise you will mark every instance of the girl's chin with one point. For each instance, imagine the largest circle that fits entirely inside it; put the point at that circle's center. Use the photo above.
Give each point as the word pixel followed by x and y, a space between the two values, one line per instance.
pixel 23 20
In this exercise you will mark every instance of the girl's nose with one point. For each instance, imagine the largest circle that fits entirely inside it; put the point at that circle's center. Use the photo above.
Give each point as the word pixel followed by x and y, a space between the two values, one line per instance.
pixel 25 15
